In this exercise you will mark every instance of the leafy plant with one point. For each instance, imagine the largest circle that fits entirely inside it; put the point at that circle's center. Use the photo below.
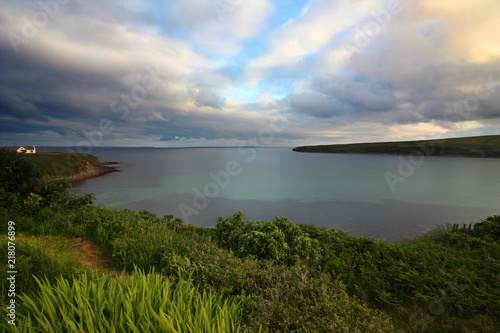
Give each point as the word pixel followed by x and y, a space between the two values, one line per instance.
pixel 280 239
pixel 278 298
pixel 137 303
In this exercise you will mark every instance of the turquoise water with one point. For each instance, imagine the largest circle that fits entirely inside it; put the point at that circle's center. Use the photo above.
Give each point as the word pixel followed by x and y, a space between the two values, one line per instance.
pixel 387 197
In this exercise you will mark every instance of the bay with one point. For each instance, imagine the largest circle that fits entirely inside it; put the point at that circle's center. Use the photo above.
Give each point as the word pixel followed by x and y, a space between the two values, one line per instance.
pixel 382 196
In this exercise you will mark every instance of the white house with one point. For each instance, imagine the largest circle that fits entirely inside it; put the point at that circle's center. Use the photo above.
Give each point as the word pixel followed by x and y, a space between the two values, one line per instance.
pixel 27 150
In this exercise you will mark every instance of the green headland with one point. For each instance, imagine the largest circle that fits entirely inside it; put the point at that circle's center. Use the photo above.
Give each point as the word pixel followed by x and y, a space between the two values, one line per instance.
pixel 71 166
pixel 477 146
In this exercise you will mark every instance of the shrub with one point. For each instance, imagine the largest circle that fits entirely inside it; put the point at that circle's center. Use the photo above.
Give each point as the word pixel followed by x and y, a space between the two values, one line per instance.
pixel 24 191
pixel 298 300
pixel 489 227
pixel 277 297
pixel 458 271
pixel 280 239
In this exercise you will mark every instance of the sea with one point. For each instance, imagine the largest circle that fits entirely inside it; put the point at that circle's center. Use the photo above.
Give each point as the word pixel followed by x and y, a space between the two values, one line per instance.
pixel 386 197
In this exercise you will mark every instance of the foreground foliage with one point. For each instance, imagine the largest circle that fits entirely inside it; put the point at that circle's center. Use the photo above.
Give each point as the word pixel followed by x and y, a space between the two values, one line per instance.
pixel 443 281
pixel 136 303
pixel 33 260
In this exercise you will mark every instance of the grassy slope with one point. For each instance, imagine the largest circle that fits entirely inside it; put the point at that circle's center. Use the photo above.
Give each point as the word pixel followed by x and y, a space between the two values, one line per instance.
pixel 436 284
pixel 480 146
pixel 56 164
pixel 74 272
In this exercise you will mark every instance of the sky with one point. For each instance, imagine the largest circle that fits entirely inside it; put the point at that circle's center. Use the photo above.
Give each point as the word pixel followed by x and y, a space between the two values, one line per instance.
pixel 183 73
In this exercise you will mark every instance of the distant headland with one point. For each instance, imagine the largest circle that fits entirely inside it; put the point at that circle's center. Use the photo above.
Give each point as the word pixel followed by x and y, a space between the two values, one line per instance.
pixel 477 146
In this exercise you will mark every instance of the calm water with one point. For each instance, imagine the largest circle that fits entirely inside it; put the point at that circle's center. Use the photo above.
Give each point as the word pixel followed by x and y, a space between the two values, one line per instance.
pixel 348 192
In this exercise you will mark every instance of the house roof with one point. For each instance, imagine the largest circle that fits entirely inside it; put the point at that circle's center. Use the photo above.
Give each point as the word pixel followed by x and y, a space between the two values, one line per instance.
pixel 27 147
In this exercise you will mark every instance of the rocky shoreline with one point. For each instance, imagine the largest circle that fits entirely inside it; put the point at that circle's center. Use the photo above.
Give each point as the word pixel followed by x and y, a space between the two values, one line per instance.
pixel 93 171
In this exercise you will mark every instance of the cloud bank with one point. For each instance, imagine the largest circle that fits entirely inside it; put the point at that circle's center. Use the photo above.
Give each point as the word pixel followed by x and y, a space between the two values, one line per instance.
pixel 217 72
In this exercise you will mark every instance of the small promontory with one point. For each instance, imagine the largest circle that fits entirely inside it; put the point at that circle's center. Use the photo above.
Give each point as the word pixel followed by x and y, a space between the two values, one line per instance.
pixel 74 167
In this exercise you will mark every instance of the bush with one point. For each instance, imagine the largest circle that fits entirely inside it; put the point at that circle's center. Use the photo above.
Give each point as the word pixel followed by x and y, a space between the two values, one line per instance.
pixel 17 175
pixel 277 298
pixel 489 228
pixel 24 192
pixel 298 300
pixel 458 271
pixel 279 240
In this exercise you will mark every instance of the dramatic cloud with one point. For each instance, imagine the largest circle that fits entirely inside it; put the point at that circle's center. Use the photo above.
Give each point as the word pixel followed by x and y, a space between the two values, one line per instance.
pixel 313 104
pixel 219 72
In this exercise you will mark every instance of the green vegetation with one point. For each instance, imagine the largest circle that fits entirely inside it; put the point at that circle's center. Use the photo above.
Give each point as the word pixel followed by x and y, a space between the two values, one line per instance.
pixel 57 165
pixel 34 260
pixel 481 146
pixel 136 303
pixel 266 276
pixel 24 189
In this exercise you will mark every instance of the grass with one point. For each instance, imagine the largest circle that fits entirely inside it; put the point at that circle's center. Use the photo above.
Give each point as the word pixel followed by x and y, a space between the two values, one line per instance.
pixel 80 252
pixel 336 283
pixel 274 297
pixel 33 259
pixel 56 165
pixel 137 303
pixel 481 146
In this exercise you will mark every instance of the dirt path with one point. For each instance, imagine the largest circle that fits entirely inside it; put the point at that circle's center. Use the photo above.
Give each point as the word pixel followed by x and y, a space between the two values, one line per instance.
pixel 90 255
pixel 82 251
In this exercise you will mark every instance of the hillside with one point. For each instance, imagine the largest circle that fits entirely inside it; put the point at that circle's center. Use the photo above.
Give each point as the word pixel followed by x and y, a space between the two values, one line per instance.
pixel 73 166
pixel 479 146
